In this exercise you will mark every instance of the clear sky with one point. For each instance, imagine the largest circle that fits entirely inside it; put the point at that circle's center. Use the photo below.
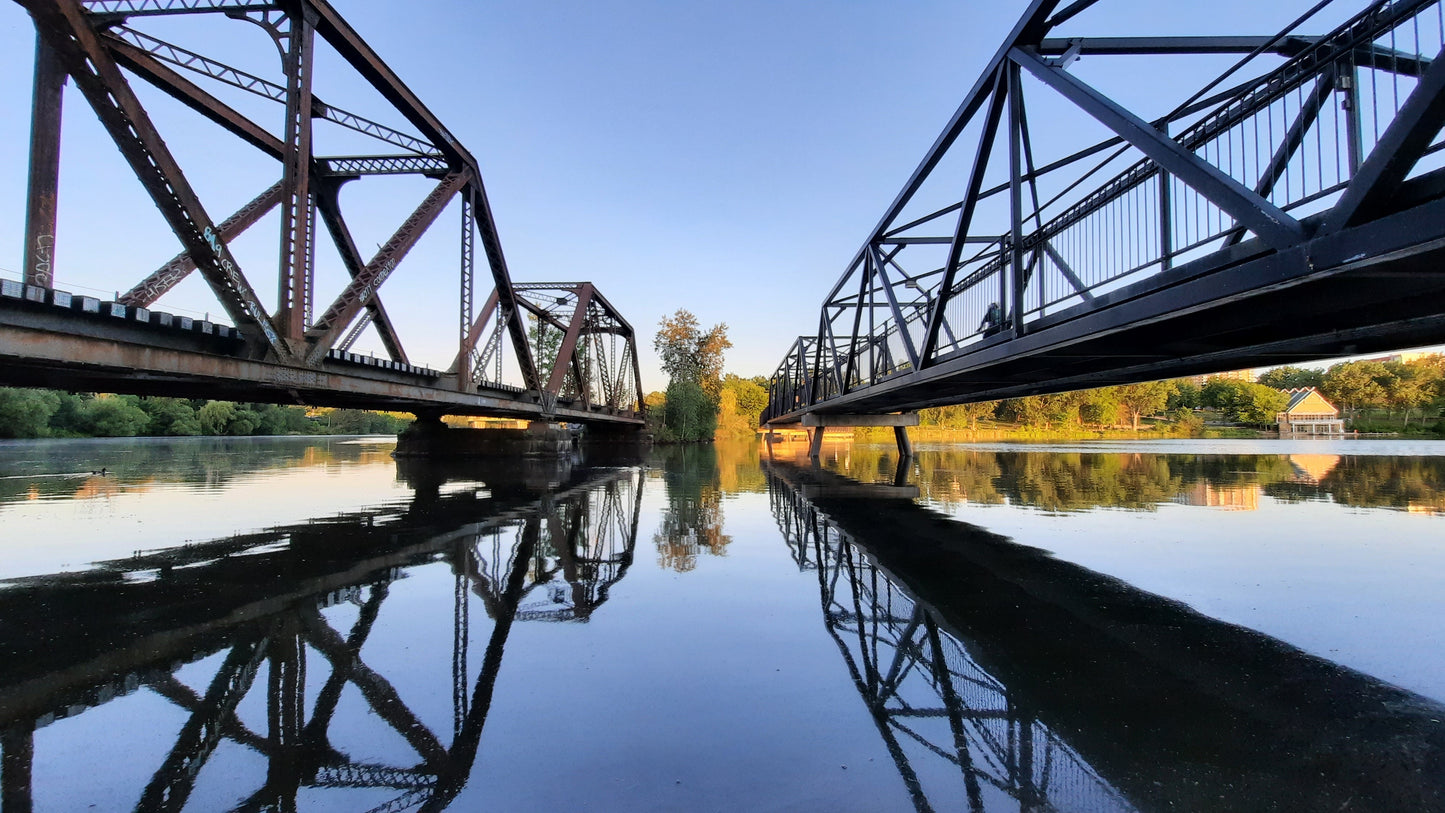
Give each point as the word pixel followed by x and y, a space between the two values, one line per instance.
pixel 724 157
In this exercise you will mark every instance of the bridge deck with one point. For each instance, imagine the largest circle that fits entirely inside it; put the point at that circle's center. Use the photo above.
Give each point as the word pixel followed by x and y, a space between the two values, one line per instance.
pixel 50 339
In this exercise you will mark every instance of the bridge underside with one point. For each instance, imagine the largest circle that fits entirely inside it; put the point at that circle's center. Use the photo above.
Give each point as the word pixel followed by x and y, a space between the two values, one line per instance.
pixel 1288 210
pixel 46 345
pixel 1374 288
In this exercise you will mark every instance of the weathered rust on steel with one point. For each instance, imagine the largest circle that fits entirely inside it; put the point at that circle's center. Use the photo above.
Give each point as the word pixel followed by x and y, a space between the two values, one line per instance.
pixel 63 24
pixel 365 284
pixel 330 209
pixel 147 291
pixel 34 352
pixel 46 103
pixel 91 41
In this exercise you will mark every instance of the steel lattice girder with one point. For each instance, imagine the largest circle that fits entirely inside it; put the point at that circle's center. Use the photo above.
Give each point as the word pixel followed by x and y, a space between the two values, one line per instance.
pixel 108 35
pixel 897 317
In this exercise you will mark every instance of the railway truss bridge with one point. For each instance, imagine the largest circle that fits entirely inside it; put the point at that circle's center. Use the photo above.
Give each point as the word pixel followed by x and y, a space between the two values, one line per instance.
pixel 551 350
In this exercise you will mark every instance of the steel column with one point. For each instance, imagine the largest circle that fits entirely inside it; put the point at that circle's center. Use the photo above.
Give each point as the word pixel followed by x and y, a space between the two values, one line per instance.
pixel 295 278
pixel 46 103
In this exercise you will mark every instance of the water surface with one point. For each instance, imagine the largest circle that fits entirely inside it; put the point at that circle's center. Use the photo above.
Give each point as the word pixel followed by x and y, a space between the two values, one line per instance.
pixel 307 624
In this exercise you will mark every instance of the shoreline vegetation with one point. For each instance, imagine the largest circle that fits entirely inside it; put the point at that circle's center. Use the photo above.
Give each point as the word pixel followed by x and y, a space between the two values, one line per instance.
pixel 36 413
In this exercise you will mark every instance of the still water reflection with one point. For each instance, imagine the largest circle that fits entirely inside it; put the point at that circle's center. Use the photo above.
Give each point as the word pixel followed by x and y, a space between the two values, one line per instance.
pixel 306 624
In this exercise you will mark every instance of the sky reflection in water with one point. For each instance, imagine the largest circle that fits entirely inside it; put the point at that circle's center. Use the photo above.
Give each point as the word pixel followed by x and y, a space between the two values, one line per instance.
pixel 306 621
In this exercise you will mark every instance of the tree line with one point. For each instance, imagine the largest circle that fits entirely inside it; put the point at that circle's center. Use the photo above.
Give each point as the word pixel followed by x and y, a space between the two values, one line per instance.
pixel 1413 388
pixel 35 413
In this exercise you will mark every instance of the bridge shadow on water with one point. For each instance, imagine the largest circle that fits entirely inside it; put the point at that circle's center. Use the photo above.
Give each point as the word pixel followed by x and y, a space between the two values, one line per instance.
pixel 1002 678
pixel 255 614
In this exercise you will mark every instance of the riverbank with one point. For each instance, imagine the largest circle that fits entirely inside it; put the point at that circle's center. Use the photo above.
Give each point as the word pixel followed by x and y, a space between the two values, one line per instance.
pixel 1006 432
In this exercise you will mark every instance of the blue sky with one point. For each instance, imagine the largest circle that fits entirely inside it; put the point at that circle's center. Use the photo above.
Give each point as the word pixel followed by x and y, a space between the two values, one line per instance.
pixel 728 158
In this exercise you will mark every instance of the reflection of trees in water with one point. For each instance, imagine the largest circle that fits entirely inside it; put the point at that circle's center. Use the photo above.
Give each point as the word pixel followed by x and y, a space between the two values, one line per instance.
pixel 1406 483
pixel 28 470
pixel 1075 481
pixel 692 523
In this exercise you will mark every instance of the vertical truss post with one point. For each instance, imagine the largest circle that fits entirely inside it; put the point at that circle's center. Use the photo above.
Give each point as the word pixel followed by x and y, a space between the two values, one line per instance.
pixel 18 743
pixel 468 289
pixel 1349 84
pixel 285 697
pixel 297 206
pixel 45 110
pixel 1016 197
pixel 1166 220
pixel 67 29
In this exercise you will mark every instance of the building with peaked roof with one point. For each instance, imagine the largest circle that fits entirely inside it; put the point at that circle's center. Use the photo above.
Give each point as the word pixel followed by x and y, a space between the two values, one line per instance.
pixel 1308 413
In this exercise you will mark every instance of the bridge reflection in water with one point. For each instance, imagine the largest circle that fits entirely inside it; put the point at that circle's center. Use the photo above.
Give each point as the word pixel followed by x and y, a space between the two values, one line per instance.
pixel 258 612
pixel 1001 678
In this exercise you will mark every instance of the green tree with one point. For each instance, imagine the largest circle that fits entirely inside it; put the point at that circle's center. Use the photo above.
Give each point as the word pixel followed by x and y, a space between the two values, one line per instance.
pixel 689 412
pixel 215 416
pixel 115 416
pixel 1148 398
pixel 1411 386
pixel 1355 385
pixel 740 405
pixel 1289 378
pixel 1099 406
pixel 1184 396
pixel 170 416
pixel 26 413
pixel 546 340
pixel 690 354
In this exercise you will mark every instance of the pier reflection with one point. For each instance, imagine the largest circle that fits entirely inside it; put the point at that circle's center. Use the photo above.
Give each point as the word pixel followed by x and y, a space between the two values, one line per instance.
pixel 230 633
pixel 1001 678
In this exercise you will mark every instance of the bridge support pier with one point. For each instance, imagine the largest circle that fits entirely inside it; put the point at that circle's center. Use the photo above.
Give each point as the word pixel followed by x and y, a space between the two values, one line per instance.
pixel 429 437
pixel 900 423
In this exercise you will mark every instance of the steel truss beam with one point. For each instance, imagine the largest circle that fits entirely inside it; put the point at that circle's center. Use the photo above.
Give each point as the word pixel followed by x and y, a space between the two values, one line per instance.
pixel 93 40
pixel 1212 183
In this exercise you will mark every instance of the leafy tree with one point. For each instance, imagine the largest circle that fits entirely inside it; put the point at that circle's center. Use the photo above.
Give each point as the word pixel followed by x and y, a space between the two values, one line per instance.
pixel 1030 410
pixel 115 416
pixel 1288 378
pixel 1099 406
pixel 1148 398
pixel 26 413
pixel 1244 401
pixel 1184 396
pixel 1411 386
pixel 1355 385
pixel 688 353
pixel 170 416
pixel 689 412
pixel 215 416
pixel 740 405
pixel 546 340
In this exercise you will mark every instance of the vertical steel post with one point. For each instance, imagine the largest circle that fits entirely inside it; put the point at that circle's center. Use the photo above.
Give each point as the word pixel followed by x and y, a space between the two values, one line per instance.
pixel 18 743
pixel 1349 82
pixel 297 234
pixel 45 109
pixel 464 357
pixel 1166 222
pixel 1016 198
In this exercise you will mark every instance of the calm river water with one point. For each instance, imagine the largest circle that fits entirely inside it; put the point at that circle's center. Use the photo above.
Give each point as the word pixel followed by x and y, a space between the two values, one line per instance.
pixel 307 624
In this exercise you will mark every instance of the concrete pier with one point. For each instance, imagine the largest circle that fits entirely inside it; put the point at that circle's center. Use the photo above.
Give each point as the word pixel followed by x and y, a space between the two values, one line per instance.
pixel 432 438
pixel 817 424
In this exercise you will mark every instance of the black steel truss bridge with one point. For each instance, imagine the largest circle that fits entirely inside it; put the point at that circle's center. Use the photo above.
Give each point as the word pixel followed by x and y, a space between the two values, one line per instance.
pixel 568 353
pixel 1054 238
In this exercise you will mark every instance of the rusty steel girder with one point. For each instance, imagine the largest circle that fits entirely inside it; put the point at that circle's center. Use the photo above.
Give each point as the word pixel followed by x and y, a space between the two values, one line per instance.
pixel 104 46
